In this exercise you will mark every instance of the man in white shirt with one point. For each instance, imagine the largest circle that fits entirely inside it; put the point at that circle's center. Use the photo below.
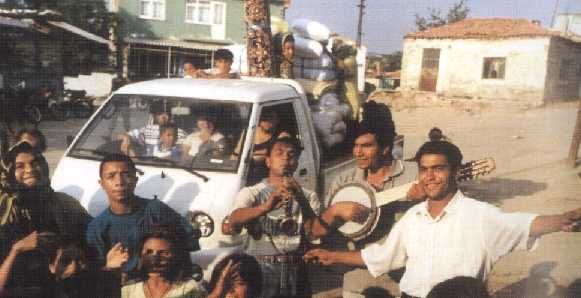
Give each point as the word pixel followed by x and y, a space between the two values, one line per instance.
pixel 448 235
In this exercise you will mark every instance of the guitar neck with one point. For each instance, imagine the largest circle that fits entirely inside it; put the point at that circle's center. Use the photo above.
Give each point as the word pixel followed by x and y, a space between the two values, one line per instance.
pixel 468 171
pixel 393 194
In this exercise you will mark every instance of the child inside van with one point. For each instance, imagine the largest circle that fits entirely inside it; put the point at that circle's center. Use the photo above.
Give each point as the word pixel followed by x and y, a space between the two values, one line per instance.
pixel 168 147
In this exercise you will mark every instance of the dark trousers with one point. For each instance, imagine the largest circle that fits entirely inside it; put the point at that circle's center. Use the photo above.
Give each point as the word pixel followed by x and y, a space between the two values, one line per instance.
pixel 404 295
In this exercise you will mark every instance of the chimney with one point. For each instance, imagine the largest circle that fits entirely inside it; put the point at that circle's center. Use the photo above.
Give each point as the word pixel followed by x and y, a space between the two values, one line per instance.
pixel 536 22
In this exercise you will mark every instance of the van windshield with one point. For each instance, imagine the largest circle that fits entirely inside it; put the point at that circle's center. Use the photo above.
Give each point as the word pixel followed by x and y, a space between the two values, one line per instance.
pixel 189 133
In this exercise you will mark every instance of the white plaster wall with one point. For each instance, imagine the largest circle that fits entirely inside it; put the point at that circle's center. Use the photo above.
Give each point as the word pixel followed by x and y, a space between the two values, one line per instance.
pixel 97 84
pixel 461 64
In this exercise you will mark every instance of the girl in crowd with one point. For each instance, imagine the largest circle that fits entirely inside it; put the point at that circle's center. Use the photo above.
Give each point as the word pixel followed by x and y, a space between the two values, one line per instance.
pixel 284 48
pixel 236 276
pixel 165 268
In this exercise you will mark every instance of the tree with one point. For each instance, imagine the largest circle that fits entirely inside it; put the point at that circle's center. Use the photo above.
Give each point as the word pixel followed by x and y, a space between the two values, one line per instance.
pixel 90 15
pixel 459 11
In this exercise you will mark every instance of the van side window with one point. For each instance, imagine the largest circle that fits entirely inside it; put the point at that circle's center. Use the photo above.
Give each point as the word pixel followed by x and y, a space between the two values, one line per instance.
pixel 275 121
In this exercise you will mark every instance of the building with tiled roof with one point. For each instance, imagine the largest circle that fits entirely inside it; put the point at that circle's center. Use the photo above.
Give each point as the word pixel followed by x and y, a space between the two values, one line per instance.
pixel 506 59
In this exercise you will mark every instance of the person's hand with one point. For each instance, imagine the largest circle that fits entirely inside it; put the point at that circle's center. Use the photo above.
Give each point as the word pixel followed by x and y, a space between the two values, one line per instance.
pixel 350 211
pixel 416 193
pixel 291 190
pixel 228 273
pixel 125 144
pixel 275 200
pixel 321 256
pixel 117 256
pixel 27 243
pixel 571 221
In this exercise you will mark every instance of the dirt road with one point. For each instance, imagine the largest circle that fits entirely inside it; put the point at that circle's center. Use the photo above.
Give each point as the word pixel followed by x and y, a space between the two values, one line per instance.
pixel 530 147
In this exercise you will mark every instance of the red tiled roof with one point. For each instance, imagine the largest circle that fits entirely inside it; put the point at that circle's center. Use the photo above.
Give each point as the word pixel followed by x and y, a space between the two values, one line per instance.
pixel 494 28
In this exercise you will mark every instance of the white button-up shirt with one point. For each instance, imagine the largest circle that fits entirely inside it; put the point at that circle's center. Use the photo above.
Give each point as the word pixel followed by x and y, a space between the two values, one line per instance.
pixel 466 239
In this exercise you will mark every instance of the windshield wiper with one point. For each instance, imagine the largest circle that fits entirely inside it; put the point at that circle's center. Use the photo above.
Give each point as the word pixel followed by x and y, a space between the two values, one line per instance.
pixel 91 151
pixel 175 164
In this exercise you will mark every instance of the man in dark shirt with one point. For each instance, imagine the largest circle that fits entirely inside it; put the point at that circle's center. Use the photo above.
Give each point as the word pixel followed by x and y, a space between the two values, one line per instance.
pixel 129 217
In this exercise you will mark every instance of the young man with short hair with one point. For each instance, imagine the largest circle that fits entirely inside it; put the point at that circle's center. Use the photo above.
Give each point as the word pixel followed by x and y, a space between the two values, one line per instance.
pixel 281 217
pixel 223 59
pixel 129 217
pixel 379 170
pixel 449 234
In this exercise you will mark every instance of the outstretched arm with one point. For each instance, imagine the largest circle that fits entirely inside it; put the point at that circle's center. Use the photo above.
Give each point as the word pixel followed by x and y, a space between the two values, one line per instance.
pixel 336 215
pixel 327 257
pixel 566 222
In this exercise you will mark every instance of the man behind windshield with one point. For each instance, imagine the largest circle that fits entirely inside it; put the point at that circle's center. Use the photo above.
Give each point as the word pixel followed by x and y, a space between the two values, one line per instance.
pixel 148 136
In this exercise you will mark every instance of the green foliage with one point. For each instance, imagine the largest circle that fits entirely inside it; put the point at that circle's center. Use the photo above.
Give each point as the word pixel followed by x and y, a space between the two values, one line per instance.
pixel 459 11
pixel 90 15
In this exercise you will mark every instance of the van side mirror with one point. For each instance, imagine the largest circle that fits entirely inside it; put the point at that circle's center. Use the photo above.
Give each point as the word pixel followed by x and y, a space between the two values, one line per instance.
pixel 69 140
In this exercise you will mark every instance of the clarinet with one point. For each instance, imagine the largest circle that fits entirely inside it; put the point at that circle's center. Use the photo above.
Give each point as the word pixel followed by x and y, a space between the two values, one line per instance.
pixel 288 224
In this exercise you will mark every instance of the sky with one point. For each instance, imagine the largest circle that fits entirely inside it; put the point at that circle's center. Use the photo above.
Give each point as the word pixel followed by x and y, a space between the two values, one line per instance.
pixel 386 21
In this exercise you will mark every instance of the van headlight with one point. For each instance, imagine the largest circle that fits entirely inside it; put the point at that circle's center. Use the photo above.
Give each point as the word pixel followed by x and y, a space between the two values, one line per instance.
pixel 202 222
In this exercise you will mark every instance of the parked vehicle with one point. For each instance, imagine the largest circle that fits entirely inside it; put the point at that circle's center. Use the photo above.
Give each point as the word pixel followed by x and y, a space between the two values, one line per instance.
pixel 204 188
pixel 19 104
pixel 74 104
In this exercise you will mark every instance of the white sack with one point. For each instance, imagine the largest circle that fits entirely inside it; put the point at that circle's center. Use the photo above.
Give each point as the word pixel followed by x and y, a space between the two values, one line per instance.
pixel 314 74
pixel 311 29
pixel 339 127
pixel 329 101
pixel 307 48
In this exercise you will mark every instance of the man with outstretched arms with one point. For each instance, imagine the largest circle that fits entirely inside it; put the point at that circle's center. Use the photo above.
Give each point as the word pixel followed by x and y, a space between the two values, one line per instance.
pixel 449 234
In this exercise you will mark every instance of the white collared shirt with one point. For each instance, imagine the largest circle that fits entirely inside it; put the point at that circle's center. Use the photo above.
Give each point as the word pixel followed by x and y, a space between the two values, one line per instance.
pixel 466 239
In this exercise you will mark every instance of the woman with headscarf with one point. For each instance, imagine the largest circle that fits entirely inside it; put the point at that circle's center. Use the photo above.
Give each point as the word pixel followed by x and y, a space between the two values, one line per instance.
pixel 29 205
pixel 284 49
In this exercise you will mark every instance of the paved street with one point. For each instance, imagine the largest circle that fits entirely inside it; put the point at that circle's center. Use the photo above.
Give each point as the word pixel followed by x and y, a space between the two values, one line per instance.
pixel 529 146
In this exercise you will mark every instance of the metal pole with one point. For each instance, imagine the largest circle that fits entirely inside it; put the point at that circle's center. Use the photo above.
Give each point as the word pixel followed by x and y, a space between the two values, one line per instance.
pixel 576 139
pixel 168 61
pixel 555 10
pixel 360 22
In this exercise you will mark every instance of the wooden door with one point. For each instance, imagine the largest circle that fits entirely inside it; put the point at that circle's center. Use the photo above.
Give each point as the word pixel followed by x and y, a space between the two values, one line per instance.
pixel 430 66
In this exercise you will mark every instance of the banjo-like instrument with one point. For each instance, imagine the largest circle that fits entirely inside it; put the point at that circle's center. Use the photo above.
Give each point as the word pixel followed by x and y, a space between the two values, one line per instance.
pixel 363 194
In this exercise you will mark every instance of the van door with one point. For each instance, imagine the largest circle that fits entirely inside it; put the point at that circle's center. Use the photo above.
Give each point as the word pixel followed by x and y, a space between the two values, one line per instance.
pixel 288 123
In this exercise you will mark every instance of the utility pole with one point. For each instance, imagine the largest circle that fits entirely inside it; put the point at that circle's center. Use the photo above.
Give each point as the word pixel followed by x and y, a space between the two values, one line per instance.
pixel 360 22
pixel 555 10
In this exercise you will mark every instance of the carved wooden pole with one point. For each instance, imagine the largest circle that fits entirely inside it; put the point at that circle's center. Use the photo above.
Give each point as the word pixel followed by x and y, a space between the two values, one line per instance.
pixel 576 140
pixel 258 38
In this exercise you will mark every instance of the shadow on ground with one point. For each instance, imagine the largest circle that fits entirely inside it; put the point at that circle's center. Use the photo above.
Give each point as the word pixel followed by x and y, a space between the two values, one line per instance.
pixel 495 190
pixel 539 284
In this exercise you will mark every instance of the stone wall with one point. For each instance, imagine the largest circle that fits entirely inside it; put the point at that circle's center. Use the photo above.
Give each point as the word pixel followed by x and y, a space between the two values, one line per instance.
pixel 563 70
